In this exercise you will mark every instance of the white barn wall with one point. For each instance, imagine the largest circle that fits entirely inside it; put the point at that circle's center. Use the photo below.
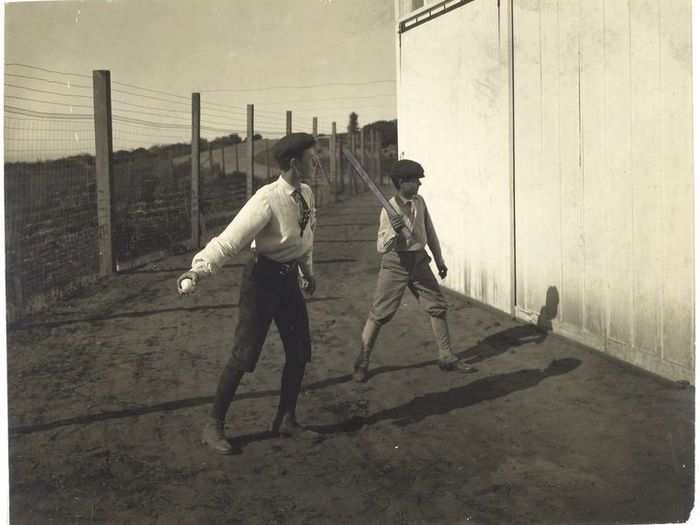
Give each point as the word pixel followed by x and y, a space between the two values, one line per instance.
pixel 603 158
pixel 603 178
pixel 453 104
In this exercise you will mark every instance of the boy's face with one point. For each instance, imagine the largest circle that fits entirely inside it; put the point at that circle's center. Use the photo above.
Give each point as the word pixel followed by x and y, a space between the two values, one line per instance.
pixel 304 166
pixel 409 187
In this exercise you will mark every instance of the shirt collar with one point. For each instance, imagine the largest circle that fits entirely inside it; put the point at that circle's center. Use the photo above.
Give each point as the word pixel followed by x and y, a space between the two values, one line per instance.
pixel 288 188
pixel 403 201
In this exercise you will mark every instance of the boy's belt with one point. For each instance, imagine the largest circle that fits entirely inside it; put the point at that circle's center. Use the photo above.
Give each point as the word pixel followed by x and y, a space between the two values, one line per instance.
pixel 269 265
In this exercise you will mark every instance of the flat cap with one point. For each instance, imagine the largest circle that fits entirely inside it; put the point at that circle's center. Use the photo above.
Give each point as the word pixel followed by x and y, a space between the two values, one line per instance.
pixel 292 145
pixel 405 168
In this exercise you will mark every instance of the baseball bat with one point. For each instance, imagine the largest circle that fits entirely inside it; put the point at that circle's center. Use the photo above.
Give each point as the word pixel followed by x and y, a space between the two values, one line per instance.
pixel 405 232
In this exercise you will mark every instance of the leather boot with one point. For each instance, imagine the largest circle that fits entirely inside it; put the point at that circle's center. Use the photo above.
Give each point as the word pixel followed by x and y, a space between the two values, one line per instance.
pixel 287 426
pixel 447 361
pixel 213 436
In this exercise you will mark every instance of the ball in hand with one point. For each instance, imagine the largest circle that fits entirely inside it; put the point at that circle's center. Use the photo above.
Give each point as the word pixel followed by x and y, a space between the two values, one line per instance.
pixel 186 285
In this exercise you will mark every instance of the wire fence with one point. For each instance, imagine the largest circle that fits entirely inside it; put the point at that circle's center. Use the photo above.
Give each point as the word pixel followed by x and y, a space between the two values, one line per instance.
pixel 51 198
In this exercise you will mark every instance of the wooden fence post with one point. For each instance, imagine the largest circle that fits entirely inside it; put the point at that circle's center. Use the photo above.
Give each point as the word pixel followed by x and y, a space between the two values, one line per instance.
pixel 251 152
pixel 333 157
pixel 102 101
pixel 314 174
pixel 194 206
pixel 223 159
pixel 235 151
pixel 289 122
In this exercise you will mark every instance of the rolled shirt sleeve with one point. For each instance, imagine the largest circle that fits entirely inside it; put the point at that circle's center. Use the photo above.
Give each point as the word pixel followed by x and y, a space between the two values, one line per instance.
pixel 386 236
pixel 252 218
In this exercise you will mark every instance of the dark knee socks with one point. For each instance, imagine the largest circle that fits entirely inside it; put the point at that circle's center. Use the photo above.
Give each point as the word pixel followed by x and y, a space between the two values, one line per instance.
pixel 228 383
pixel 292 377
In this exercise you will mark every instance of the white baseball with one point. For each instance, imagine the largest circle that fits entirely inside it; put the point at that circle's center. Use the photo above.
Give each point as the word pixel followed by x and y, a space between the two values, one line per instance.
pixel 186 285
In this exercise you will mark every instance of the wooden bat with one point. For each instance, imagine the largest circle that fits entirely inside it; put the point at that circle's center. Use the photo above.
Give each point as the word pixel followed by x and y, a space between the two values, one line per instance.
pixel 405 232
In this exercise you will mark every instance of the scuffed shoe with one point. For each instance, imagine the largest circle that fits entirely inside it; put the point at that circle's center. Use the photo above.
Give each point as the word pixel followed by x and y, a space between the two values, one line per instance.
pixel 288 427
pixel 213 436
pixel 455 365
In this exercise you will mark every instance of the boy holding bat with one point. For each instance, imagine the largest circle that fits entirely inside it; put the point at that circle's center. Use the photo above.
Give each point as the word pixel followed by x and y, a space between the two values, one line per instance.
pixel 406 264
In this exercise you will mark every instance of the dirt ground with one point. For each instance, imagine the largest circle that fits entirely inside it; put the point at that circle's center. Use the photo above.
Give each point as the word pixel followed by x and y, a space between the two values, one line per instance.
pixel 108 393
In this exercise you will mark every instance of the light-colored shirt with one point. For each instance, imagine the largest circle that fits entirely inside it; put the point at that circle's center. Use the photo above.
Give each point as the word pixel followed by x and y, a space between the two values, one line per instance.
pixel 270 221
pixel 416 217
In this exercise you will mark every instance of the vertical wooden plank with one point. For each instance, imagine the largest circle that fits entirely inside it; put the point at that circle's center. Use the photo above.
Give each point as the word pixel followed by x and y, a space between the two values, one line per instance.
pixel 544 209
pixel 194 206
pixel 268 168
pixel 594 184
pixel 102 100
pixel 617 155
pixel 250 147
pixel 570 164
pixel 528 120
pixel 676 130
pixel 314 127
pixel 289 123
pixel 645 167
pixel 511 152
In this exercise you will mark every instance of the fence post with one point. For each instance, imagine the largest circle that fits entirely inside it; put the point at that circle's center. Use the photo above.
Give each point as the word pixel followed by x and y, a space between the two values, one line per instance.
pixel 235 151
pixel 370 155
pixel 341 164
pixel 223 159
pixel 267 158
pixel 332 155
pixel 377 162
pixel 289 122
pixel 251 153
pixel 194 206
pixel 314 174
pixel 211 159
pixel 372 148
pixel 102 101
pixel 363 158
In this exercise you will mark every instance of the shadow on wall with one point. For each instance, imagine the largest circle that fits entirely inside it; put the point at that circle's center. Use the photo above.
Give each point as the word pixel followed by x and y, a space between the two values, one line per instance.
pixel 549 311
pixel 510 338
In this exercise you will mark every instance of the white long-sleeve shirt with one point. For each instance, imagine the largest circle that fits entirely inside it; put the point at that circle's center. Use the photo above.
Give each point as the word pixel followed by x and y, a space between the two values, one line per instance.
pixel 270 219
pixel 417 219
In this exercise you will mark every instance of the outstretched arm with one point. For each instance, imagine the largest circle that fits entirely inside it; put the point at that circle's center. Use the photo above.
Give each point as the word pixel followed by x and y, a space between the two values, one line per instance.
pixel 252 218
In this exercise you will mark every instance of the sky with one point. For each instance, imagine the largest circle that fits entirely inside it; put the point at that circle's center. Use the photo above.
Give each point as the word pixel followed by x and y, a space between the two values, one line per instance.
pixel 234 52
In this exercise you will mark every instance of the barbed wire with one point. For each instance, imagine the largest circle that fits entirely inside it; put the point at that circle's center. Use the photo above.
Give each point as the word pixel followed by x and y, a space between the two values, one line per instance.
pixel 50 102
pixel 140 115
pixel 46 70
pixel 35 90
